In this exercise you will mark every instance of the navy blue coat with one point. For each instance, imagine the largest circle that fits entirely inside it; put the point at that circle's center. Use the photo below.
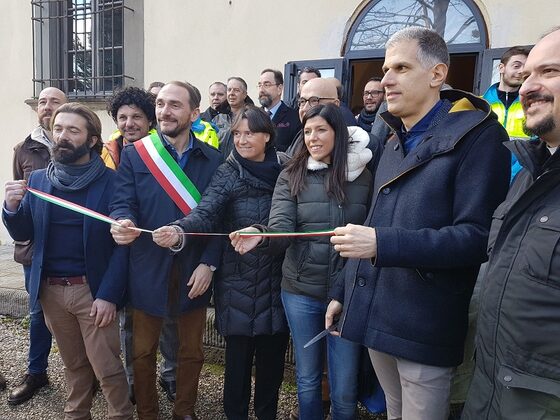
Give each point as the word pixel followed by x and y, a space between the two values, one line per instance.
pixel 106 263
pixel 140 198
pixel 287 124
pixel 432 211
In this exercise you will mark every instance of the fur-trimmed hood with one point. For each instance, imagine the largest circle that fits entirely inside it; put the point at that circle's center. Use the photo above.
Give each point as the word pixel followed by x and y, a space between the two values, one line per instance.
pixel 358 154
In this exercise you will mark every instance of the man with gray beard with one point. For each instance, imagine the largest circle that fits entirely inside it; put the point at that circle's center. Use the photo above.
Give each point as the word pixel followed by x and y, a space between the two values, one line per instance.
pixel 285 119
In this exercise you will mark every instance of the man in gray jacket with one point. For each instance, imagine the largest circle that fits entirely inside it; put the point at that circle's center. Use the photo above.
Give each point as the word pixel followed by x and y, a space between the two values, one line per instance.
pixel 517 373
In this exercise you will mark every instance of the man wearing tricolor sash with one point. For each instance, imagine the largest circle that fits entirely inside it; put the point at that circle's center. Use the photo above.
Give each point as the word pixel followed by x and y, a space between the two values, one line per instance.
pixel 160 179
pixel 77 272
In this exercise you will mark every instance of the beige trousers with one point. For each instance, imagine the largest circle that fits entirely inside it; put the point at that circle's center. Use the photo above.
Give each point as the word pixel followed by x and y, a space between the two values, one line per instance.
pixel 413 391
pixel 87 352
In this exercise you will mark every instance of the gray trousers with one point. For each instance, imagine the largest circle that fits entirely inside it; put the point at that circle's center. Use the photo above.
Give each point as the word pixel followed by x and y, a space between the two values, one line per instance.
pixel 413 391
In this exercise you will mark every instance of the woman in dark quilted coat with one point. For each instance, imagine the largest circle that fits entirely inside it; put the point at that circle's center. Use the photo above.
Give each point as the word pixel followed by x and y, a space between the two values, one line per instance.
pixel 326 184
pixel 249 311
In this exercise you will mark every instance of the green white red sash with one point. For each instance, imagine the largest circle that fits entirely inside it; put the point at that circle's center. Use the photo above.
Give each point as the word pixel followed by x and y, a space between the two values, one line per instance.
pixel 168 173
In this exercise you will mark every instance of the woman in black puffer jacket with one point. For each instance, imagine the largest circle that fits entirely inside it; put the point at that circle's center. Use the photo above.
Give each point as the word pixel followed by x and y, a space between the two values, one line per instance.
pixel 325 185
pixel 249 311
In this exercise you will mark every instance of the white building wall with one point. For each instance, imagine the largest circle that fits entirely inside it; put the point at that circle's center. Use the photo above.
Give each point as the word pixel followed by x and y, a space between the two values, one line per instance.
pixel 203 41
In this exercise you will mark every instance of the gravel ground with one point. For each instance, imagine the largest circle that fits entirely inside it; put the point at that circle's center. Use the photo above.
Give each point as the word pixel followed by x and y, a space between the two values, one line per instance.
pixel 48 403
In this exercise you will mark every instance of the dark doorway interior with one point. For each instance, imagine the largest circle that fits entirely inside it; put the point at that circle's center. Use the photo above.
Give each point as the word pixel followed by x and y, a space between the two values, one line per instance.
pixel 462 71
pixel 361 72
pixel 461 75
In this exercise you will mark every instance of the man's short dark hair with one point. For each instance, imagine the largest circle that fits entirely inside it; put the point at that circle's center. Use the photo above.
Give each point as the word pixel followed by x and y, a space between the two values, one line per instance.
pixel 194 93
pixel 517 50
pixel 432 49
pixel 240 80
pixel 156 85
pixel 278 77
pixel 133 96
pixel 308 69
pixel 373 79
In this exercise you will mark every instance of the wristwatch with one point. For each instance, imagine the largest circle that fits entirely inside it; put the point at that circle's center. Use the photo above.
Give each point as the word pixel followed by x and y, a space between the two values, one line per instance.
pixel 211 267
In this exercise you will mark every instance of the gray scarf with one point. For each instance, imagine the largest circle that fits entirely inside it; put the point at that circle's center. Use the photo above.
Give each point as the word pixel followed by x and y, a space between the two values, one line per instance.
pixel 75 177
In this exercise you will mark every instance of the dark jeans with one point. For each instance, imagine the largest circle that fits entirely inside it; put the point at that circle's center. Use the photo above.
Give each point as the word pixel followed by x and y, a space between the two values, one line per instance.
pixel 40 338
pixel 269 352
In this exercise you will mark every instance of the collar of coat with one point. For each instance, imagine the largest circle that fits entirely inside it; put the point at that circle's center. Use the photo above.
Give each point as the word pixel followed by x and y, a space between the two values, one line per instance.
pixel 534 155
pixel 358 154
pixel 464 111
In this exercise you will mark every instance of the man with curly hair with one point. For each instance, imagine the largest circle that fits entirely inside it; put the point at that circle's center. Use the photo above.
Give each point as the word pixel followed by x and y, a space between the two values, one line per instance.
pixel 133 110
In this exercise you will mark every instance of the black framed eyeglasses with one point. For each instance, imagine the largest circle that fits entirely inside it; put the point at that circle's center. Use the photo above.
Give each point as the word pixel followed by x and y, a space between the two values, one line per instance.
pixel 266 85
pixel 313 101
pixel 372 93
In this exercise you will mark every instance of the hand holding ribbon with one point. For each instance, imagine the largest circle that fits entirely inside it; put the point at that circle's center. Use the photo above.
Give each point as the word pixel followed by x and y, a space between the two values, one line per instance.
pixel 244 244
pixel 166 236
pixel 122 234
pixel 14 192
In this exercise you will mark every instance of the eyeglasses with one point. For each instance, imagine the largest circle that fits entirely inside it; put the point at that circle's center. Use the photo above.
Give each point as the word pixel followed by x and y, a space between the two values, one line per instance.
pixel 372 93
pixel 313 101
pixel 266 85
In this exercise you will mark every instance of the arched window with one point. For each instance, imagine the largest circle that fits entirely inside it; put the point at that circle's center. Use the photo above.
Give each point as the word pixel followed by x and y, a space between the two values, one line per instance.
pixel 458 21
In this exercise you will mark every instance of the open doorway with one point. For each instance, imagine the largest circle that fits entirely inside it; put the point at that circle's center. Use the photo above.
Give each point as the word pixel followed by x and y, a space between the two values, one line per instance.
pixel 462 75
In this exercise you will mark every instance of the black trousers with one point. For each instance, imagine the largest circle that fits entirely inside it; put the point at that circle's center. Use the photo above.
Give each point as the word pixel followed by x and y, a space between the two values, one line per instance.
pixel 269 352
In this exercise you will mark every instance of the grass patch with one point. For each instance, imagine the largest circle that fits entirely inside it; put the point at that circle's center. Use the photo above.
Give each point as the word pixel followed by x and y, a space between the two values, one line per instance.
pixel 289 387
pixel 214 369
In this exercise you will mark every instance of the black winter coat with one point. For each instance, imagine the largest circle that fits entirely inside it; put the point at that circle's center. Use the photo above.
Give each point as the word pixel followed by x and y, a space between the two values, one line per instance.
pixel 517 373
pixel 311 265
pixel 246 287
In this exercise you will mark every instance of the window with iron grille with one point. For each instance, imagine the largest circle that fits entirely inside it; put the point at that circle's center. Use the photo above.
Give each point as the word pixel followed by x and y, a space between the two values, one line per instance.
pixel 79 46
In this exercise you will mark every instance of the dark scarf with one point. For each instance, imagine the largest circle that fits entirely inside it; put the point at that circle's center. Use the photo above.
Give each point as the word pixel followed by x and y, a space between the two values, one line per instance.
pixel 365 120
pixel 75 177
pixel 267 171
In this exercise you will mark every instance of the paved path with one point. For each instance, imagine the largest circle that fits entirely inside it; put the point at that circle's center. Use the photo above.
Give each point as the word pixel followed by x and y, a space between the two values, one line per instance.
pixel 13 297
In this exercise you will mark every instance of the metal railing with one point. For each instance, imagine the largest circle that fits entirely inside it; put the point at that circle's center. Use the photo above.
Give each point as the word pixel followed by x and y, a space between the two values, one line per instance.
pixel 78 46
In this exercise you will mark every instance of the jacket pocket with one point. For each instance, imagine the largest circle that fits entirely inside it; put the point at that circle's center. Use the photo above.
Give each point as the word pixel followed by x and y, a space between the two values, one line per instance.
pixel 497 220
pixel 527 396
pixel 303 253
pixel 540 249
pixel 449 281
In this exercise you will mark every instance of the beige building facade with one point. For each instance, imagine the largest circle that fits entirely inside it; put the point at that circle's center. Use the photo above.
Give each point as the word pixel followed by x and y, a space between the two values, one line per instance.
pixel 204 41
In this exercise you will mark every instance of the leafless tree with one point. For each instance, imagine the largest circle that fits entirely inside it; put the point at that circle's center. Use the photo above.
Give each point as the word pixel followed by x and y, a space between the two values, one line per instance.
pixel 389 16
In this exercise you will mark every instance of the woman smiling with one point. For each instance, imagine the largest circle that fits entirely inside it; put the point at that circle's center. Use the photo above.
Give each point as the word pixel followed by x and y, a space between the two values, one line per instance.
pixel 325 185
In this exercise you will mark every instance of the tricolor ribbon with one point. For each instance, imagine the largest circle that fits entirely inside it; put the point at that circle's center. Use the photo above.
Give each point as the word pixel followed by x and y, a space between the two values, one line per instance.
pixel 101 217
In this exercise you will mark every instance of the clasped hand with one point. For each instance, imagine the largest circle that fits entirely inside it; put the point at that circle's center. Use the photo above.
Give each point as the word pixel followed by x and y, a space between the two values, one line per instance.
pixel 355 241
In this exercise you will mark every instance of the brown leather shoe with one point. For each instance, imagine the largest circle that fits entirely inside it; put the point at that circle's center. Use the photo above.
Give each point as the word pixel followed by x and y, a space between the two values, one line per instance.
pixel 2 382
pixel 29 385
